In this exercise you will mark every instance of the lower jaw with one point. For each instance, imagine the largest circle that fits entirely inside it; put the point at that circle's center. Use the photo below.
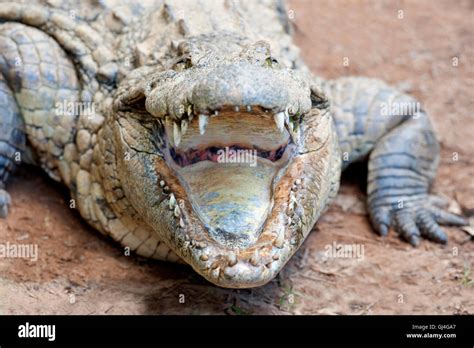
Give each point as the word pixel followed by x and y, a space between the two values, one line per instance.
pixel 243 266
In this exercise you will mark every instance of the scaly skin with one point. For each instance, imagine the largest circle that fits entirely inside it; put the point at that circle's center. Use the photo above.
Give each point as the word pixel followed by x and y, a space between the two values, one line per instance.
pixel 154 74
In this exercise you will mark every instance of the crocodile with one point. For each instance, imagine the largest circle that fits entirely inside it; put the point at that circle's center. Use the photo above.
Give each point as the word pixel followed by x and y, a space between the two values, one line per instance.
pixel 193 132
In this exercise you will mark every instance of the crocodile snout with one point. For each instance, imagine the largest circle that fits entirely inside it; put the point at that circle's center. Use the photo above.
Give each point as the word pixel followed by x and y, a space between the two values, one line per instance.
pixel 205 90
pixel 242 84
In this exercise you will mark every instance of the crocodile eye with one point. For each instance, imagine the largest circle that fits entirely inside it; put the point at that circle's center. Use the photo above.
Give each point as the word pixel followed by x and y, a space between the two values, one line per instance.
pixel 271 62
pixel 183 64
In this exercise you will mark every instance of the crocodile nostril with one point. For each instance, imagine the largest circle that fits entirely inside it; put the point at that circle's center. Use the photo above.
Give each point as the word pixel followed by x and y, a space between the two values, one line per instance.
pixel 183 64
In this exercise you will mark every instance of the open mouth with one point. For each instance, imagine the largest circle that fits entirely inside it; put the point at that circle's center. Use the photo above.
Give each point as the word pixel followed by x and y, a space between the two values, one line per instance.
pixel 229 164
pixel 215 153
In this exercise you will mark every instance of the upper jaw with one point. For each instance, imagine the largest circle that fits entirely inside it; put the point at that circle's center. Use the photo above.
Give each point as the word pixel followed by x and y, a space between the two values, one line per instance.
pixel 179 98
pixel 204 91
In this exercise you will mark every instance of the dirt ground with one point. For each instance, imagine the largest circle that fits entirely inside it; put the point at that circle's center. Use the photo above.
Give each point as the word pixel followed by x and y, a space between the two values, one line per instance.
pixel 80 272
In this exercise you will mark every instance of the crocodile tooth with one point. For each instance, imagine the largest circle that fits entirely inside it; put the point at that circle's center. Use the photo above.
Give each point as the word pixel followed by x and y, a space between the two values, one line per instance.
pixel 249 108
pixel 174 44
pixel 162 183
pixel 203 121
pixel 292 197
pixel 190 113
pixel 172 202
pixel 280 121
pixel 237 108
pixel 177 211
pixel 181 111
pixel 201 245
pixel 216 113
pixel 232 259
pixel 184 127
pixel 176 134
pixel 291 208
pixel 280 238
pixel 254 258
pixel 181 223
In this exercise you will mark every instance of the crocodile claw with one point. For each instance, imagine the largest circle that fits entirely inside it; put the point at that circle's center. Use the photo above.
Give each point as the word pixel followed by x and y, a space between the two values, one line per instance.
pixel 5 202
pixel 416 220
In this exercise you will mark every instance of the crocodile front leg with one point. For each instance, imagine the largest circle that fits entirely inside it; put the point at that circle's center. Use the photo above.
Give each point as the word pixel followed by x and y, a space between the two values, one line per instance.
pixel 12 141
pixel 35 75
pixel 391 127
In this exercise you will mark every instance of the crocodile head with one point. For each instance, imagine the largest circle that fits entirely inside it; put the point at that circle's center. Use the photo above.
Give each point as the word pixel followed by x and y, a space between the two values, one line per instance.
pixel 225 155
